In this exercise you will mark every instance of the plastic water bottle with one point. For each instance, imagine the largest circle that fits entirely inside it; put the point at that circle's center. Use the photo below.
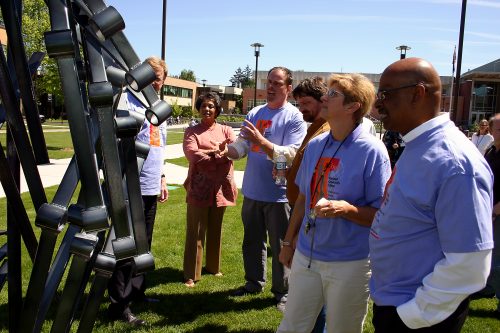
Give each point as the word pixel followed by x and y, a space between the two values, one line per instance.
pixel 280 165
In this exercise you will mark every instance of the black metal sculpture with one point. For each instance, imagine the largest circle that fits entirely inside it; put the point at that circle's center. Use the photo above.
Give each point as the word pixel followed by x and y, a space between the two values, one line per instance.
pixel 96 63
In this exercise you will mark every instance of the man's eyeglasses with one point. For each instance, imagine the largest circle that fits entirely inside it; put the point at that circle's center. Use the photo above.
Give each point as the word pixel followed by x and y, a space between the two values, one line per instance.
pixel 332 93
pixel 382 94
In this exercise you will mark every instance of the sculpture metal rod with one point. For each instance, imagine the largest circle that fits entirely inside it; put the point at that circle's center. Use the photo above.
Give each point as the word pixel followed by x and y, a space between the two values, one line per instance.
pixel 16 48
pixel 20 136
pixel 16 205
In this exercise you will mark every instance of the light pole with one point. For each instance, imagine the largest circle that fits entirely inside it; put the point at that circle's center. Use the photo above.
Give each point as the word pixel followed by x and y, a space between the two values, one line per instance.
pixel 163 41
pixel 256 47
pixel 203 81
pixel 403 49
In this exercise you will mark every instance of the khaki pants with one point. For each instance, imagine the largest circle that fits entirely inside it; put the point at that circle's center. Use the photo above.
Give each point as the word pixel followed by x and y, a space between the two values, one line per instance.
pixel 201 222
pixel 341 286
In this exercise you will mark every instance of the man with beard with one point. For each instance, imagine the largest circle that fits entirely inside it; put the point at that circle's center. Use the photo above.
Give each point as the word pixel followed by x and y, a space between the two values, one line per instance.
pixel 308 95
pixel 431 240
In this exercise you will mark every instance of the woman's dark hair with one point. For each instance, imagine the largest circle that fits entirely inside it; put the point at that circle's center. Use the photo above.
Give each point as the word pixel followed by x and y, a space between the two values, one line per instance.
pixel 211 96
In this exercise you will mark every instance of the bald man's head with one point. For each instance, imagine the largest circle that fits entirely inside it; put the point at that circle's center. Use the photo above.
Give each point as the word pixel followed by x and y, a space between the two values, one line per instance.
pixel 412 70
pixel 409 94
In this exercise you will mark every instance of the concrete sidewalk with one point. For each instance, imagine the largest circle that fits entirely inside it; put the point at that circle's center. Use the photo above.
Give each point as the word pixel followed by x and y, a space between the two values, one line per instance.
pixel 52 174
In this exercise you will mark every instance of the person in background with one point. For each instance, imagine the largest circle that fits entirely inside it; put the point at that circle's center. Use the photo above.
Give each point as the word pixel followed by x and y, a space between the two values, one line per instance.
pixel 210 188
pixel 308 94
pixel 431 239
pixel 493 158
pixel 268 131
pixel 482 139
pixel 124 287
pixel 368 124
pixel 341 181
pixel 395 145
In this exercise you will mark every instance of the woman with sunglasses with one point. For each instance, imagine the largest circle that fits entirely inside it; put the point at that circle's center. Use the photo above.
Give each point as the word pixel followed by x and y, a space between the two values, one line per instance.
pixel 341 182
pixel 482 139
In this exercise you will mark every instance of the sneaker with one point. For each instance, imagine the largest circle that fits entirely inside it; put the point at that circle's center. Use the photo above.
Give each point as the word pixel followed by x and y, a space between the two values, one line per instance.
pixel 281 306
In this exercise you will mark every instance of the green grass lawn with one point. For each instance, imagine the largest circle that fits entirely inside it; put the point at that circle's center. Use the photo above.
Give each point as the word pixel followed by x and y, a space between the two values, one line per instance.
pixel 60 145
pixel 207 307
pixel 55 123
pixel 239 165
pixel 175 136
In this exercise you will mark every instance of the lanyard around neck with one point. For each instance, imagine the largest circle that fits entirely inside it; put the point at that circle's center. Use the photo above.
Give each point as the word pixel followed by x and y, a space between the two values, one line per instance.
pixel 327 166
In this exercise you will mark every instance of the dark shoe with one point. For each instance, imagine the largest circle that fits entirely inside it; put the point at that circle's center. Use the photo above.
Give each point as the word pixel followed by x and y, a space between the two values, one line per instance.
pixel 242 291
pixel 131 319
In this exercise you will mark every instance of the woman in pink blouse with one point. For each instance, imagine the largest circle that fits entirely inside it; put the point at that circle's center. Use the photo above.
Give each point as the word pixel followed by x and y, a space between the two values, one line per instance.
pixel 210 188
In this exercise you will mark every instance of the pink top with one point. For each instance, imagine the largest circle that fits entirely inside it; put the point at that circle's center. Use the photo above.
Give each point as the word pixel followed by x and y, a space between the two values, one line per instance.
pixel 210 179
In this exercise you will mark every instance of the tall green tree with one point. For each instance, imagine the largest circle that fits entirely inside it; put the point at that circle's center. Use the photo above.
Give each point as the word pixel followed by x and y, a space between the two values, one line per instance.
pixel 188 75
pixel 242 78
pixel 35 22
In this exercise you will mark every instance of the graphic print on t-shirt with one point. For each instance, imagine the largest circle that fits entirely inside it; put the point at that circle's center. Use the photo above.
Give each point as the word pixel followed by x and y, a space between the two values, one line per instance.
pixel 374 228
pixel 331 178
pixel 154 136
pixel 388 184
pixel 262 125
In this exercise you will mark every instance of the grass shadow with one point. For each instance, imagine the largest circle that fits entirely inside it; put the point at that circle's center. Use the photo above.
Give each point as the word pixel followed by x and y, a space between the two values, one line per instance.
pixel 182 308
pixel 163 275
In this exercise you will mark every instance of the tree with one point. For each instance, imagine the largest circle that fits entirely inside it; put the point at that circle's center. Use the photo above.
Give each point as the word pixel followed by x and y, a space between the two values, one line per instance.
pixel 35 23
pixel 243 78
pixel 188 75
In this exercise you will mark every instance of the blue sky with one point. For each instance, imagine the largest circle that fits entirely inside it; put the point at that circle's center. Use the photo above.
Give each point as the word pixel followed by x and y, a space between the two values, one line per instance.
pixel 213 38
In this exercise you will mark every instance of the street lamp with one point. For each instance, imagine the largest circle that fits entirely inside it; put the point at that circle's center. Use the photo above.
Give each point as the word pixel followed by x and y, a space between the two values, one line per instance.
pixel 256 47
pixel 163 41
pixel 203 81
pixel 403 49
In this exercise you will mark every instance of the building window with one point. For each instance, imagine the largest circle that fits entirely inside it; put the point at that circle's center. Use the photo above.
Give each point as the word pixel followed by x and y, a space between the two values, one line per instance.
pixel 177 91
pixel 259 102
pixel 484 99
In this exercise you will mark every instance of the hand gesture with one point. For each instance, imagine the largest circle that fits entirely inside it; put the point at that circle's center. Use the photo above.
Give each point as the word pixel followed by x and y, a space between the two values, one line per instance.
pixel 251 133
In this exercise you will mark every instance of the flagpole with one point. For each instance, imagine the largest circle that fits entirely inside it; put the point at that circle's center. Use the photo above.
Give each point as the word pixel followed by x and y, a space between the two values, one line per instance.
pixel 459 60
pixel 452 79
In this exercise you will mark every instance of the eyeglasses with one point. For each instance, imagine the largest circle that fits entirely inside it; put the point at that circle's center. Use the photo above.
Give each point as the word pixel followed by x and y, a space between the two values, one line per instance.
pixel 332 93
pixel 382 94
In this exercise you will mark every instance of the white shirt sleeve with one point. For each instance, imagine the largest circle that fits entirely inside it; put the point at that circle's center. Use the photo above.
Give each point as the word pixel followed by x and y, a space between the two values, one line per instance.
pixel 241 146
pixel 454 278
pixel 289 153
